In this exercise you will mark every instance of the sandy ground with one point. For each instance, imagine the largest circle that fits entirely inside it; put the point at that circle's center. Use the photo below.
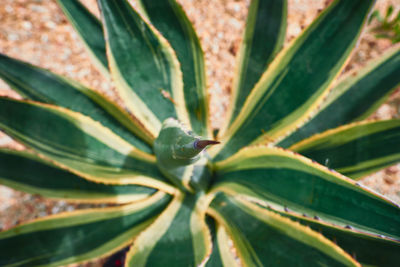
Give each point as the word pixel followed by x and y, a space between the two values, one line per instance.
pixel 37 31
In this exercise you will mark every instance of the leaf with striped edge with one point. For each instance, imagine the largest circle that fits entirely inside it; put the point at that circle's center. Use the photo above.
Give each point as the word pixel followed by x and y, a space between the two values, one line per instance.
pixel 280 176
pixel 179 236
pixel 369 250
pixel 263 238
pixel 170 19
pixel 90 31
pixel 44 86
pixel 355 97
pixel 26 172
pixel 80 144
pixel 298 79
pixel 144 67
pixel 221 254
pixel 356 149
pixel 78 236
pixel 263 39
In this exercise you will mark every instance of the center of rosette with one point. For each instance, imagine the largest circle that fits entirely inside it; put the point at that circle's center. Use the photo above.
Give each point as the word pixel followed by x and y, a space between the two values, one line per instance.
pixel 180 156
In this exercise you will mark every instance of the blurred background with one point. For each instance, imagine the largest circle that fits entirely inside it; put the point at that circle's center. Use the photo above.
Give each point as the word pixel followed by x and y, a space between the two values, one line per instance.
pixel 37 31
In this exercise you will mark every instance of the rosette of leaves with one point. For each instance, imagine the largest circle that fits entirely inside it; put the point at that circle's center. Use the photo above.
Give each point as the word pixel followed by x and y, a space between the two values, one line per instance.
pixel 280 189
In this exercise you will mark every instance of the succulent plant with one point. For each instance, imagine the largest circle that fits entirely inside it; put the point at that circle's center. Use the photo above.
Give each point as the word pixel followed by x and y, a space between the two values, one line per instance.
pixel 388 26
pixel 280 189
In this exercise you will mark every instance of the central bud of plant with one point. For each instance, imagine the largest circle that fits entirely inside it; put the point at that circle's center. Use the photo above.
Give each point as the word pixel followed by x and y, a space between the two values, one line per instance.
pixel 180 158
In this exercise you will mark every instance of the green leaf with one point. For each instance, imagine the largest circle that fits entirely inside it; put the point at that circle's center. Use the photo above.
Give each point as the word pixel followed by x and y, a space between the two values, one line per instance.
pixel 389 11
pixel 369 250
pixel 298 79
pixel 78 236
pixel 179 236
pixel 263 39
pixel 42 85
pixel 376 15
pixel 170 19
pixel 263 238
pixel 356 149
pixel 221 253
pixel 79 144
pixel 143 66
pixel 355 97
pixel 281 177
pixel 89 29
pixel 27 172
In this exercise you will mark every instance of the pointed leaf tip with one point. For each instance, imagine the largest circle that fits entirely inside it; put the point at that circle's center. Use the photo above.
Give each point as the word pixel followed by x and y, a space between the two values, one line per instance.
pixel 201 144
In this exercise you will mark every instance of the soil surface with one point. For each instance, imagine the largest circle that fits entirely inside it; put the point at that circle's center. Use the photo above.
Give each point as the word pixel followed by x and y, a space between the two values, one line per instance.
pixel 37 31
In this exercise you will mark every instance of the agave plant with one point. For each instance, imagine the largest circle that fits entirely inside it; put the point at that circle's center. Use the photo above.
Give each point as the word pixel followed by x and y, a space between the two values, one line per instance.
pixel 280 189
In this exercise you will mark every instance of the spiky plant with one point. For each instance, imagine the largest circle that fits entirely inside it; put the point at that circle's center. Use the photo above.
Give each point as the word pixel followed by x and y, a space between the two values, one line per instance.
pixel 180 206
pixel 388 27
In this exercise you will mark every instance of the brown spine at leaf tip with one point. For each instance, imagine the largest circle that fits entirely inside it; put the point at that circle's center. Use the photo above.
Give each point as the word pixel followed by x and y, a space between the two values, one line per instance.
pixel 201 144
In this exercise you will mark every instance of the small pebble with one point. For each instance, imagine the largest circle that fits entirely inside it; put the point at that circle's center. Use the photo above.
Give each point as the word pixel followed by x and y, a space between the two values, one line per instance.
pixel 44 38
pixel 12 37
pixel 27 25
pixel 9 9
